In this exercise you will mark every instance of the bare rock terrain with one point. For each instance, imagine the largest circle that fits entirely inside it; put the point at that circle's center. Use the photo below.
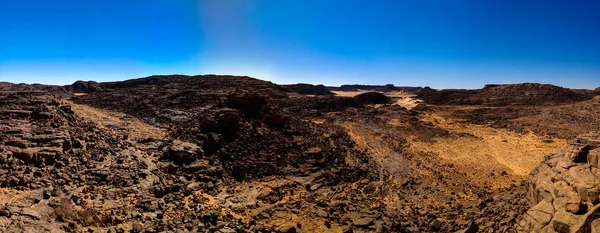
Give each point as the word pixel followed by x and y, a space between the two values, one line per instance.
pixel 564 190
pixel 236 154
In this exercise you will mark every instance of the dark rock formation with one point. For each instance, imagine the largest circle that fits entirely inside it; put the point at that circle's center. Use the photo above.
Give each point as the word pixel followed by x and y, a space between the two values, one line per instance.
pixel 309 89
pixel 508 94
pixel 85 87
pixel 380 88
pixel 372 98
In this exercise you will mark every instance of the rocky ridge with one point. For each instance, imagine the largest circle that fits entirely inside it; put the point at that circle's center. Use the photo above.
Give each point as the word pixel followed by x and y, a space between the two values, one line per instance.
pixel 379 88
pixel 506 94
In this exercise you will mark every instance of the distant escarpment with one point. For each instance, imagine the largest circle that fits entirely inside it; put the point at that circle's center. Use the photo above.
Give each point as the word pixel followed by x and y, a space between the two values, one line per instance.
pixel 309 89
pixel 380 88
pixel 508 94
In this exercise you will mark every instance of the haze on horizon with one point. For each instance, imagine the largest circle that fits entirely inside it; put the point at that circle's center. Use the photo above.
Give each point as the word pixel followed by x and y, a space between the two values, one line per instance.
pixel 442 44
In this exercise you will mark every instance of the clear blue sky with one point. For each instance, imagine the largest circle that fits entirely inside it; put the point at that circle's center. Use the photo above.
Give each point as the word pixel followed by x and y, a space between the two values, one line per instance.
pixel 443 44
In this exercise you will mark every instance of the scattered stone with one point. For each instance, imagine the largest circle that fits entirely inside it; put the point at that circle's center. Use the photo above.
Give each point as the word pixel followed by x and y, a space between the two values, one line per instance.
pixel 363 221
pixel 471 228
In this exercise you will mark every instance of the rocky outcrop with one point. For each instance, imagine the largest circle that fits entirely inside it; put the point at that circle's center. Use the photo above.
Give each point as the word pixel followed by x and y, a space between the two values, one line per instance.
pixel 32 129
pixel 85 87
pixel 564 190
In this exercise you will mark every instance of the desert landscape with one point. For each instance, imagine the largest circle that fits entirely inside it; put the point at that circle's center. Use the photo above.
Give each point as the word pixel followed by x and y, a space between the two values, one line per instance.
pixel 299 116
pixel 215 153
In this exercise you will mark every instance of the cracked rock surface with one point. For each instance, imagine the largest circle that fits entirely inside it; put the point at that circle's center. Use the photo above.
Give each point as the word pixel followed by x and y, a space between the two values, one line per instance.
pixel 564 190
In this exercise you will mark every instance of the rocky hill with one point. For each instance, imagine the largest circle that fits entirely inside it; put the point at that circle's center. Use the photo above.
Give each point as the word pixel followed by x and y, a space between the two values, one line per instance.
pixel 232 131
pixel 508 94
pixel 372 98
pixel 309 89
pixel 236 116
pixel 232 159
pixel 85 87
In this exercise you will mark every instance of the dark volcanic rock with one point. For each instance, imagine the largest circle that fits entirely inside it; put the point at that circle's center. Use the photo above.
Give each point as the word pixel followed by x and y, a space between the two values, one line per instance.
pixel 85 87
pixel 226 131
pixel 372 98
pixel 380 88
pixel 235 146
pixel 183 152
pixel 238 119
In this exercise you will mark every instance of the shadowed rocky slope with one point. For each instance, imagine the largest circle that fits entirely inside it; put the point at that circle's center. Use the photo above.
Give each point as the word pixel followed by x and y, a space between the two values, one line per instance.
pixel 235 129
pixel 233 161
pixel 235 154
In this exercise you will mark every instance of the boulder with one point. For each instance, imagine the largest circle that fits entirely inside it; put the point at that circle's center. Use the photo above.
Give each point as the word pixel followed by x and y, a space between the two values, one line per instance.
pixel 183 152
pixel 471 228
pixel 85 87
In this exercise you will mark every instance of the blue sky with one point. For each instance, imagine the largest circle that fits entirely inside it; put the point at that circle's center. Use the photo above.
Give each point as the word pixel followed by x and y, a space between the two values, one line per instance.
pixel 442 44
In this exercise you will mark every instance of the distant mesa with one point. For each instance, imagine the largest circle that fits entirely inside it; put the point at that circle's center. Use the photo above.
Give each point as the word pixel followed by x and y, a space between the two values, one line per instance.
pixel 199 81
pixel 489 95
pixel 309 89
pixel 380 88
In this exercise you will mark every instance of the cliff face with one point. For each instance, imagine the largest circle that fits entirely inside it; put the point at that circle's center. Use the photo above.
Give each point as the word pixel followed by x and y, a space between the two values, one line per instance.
pixel 564 190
